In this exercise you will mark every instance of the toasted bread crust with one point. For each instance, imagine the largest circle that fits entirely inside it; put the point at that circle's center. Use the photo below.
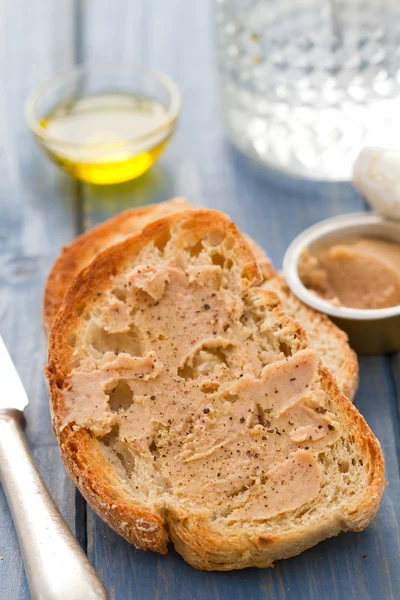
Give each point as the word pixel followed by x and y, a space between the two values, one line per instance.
pixel 139 524
pixel 98 484
pixel 87 246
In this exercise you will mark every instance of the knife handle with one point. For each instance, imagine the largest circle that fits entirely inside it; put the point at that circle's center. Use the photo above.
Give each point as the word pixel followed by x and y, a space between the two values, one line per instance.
pixel 55 564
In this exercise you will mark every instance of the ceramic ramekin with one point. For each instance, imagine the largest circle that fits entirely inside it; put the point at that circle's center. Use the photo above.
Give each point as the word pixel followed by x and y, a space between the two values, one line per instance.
pixel 370 331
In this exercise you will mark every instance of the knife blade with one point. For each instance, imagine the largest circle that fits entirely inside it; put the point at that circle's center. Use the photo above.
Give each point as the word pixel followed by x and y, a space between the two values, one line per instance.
pixel 55 564
pixel 12 392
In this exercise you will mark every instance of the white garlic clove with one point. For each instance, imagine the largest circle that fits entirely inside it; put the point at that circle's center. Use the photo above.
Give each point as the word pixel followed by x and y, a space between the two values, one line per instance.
pixel 376 175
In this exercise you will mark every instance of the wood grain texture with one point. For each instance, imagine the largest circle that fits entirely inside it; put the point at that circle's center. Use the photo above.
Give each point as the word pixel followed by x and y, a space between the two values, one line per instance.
pixel 37 215
pixel 175 37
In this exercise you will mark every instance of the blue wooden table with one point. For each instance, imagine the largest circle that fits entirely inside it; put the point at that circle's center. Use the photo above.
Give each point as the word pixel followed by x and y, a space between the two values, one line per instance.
pixel 42 208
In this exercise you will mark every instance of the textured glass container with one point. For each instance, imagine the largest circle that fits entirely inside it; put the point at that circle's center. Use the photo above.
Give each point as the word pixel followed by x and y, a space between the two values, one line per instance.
pixel 305 84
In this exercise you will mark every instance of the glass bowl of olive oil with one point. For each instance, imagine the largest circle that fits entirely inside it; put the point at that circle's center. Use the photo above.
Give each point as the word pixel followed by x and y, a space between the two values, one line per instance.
pixel 104 124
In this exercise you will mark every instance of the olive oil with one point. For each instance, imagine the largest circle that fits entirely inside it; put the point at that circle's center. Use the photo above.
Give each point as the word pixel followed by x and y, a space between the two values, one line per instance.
pixel 107 138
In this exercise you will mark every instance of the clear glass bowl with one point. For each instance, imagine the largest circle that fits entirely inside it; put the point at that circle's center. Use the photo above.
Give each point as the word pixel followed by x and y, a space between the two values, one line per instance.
pixel 104 123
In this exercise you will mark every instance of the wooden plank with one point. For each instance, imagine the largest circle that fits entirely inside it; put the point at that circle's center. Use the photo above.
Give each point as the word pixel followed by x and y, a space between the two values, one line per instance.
pixel 37 215
pixel 396 373
pixel 37 201
pixel 202 165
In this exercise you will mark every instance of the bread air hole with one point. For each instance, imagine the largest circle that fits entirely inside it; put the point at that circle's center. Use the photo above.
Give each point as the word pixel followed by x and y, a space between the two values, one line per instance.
pixel 209 387
pixel 162 239
pixel 72 447
pixel 186 372
pixel 102 341
pixel 110 438
pixel 120 396
pixel 265 541
pixel 285 348
pixel 218 259
pixel 261 416
pixel 57 378
pixel 126 458
pixel 237 492
pixel 196 249
pixel 120 293
pixel 221 261
pixel 153 448
pixel 245 320
pixel 232 398
pixel 202 363
pixel 215 237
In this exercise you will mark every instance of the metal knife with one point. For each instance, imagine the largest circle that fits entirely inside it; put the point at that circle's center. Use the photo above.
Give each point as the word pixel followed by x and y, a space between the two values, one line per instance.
pixel 55 564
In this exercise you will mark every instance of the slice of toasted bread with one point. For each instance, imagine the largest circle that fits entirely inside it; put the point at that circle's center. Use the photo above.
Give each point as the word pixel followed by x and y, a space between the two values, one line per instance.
pixel 330 342
pixel 188 406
